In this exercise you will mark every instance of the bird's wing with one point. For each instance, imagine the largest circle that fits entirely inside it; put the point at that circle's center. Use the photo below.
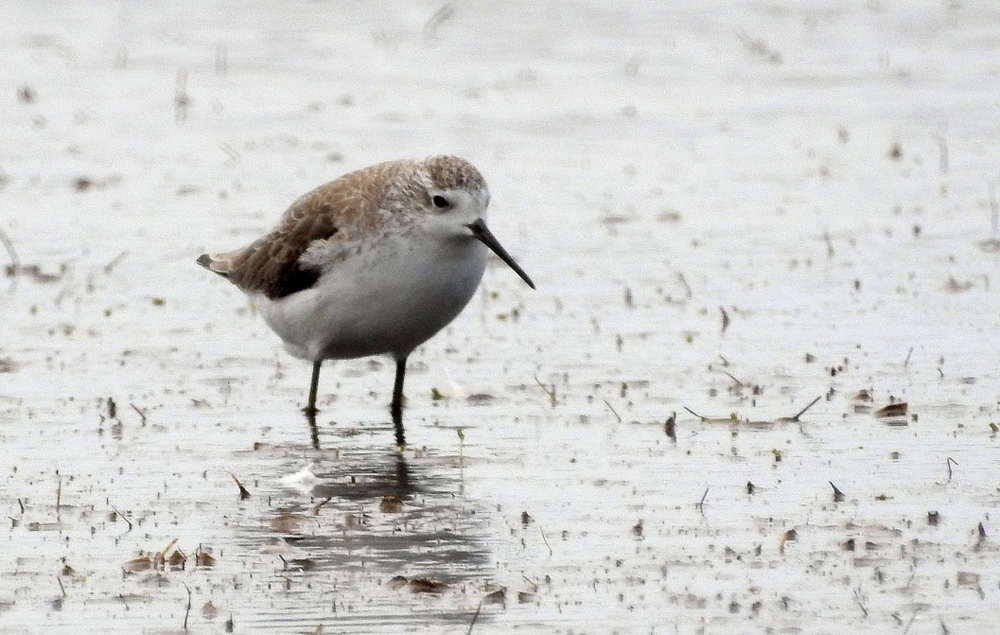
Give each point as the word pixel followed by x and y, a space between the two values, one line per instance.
pixel 338 213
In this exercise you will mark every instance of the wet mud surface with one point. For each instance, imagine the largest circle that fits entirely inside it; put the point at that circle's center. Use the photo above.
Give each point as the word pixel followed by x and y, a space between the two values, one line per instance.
pixel 729 213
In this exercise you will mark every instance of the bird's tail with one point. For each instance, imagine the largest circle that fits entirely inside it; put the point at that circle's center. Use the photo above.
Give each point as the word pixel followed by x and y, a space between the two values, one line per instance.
pixel 214 263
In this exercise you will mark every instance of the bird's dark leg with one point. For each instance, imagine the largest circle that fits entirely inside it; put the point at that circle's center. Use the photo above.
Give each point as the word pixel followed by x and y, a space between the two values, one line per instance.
pixel 397 401
pixel 310 408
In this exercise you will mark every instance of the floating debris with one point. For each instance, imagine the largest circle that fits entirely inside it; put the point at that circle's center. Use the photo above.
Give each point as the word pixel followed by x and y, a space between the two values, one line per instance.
pixel 391 504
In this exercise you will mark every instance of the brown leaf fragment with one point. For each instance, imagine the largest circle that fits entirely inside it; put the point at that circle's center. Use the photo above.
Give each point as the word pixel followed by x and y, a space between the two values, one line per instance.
pixel 177 559
pixel 496 597
pixel 397 582
pixel 203 558
pixel 898 409
pixel 161 558
pixel 933 518
pixel 848 545
pixel 209 611
pixel 291 523
pixel 391 504
pixel 427 585
pixel 789 536
pixel 524 597
pixel 526 519
pixel 142 563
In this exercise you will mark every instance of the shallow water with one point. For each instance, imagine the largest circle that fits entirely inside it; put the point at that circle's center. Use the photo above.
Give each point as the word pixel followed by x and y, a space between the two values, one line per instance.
pixel 823 178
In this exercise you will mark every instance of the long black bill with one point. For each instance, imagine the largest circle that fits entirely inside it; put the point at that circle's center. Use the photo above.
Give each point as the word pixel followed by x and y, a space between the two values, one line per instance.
pixel 485 236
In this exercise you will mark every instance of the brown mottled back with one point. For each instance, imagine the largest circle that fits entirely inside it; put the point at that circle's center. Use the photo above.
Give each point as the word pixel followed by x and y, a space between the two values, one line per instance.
pixel 341 210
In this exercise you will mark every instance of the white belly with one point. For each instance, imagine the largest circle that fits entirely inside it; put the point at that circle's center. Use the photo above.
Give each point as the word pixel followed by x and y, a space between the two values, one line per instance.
pixel 385 300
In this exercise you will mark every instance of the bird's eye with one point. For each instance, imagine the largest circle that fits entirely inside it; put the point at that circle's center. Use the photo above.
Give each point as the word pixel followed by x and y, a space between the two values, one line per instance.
pixel 439 201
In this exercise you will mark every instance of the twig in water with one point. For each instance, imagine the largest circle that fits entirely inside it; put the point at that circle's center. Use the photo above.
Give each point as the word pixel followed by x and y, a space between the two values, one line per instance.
pixel 725 319
pixel 188 610
pixel 910 623
pixel 435 21
pixel 906 361
pixel 803 411
pixel 829 243
pixel 545 540
pixel 475 617
pixel 59 494
pixel 244 492
pixel 122 516
pixel 949 462
pixel 687 288
pixel 613 411
pixel 861 601
pixel 738 382
pixel 61 587
pixel 550 393
pixel 695 414
pixel 943 151
pixel 142 414
pixel 114 262
pixel 838 496
pixel 20 504
pixel 15 262
pixel 701 503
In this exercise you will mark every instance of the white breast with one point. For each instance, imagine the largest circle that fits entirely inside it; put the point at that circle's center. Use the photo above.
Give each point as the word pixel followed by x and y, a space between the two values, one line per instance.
pixel 387 299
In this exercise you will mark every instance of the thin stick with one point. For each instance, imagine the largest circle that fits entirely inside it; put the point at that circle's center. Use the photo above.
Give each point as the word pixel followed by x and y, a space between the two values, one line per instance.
pixel 14 260
pixel 860 600
pixel 613 411
pixel 803 411
pixel 430 29
pixel 59 494
pixel 474 618
pixel 545 540
pixel 730 375
pixel 61 587
pixel 142 415
pixel 122 516
pixel 910 623
pixel 695 413
pixel 943 149
pixel 687 288
pixel 949 462
pixel 906 361
pixel 188 610
pixel 829 243
pixel 114 262
pixel 701 503
pixel 551 393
